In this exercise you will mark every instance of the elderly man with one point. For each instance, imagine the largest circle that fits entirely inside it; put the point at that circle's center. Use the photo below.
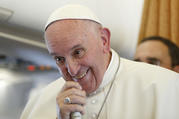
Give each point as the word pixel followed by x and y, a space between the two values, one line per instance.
pixel 158 51
pixel 97 83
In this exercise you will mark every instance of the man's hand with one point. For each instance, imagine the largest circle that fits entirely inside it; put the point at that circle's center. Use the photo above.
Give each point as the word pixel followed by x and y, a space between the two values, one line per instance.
pixel 77 97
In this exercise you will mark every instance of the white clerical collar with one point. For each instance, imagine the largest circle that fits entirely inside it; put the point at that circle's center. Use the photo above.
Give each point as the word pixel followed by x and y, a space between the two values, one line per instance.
pixel 110 72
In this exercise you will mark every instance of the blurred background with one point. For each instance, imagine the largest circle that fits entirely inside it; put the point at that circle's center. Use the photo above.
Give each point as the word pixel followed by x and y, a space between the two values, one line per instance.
pixel 24 70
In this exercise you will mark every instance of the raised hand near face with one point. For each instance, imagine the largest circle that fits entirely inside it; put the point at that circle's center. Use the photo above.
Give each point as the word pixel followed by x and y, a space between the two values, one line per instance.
pixel 71 99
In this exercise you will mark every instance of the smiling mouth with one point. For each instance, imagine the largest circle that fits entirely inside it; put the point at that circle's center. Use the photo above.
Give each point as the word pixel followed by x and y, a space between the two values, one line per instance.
pixel 78 77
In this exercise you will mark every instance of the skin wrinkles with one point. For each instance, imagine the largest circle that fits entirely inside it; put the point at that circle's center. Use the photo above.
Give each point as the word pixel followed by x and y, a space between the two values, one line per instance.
pixel 75 43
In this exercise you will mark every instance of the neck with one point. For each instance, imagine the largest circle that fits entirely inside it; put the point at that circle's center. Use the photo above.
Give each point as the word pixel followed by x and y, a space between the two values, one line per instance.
pixel 108 59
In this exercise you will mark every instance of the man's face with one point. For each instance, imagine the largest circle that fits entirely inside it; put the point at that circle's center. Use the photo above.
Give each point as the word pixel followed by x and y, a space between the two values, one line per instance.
pixel 153 52
pixel 80 51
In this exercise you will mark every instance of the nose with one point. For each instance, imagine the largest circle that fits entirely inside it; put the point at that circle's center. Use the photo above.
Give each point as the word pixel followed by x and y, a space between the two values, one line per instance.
pixel 72 66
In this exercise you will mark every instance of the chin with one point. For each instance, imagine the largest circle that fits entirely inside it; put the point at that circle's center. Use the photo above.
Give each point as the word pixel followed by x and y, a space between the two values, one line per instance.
pixel 89 88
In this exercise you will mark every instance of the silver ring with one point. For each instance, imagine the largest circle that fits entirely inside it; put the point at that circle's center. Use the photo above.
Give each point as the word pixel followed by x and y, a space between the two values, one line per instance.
pixel 67 100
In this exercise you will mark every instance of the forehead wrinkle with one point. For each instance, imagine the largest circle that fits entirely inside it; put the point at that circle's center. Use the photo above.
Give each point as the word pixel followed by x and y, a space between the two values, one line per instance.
pixel 84 25
pixel 73 27
pixel 71 50
pixel 68 47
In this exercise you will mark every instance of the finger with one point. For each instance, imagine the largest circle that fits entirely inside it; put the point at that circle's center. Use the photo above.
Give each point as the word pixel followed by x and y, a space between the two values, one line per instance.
pixel 74 91
pixel 73 108
pixel 70 93
pixel 71 84
pixel 77 100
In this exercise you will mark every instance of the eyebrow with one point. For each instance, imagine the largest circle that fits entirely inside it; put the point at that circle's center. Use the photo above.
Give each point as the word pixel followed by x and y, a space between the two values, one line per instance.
pixel 137 59
pixel 148 59
pixel 74 47
pixel 152 59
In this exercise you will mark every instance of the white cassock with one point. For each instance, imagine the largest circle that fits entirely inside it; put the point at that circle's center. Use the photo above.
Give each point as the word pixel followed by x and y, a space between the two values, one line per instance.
pixel 129 90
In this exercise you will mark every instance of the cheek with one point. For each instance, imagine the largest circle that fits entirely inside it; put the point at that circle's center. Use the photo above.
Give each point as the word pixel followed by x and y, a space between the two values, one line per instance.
pixel 87 61
pixel 63 71
pixel 92 63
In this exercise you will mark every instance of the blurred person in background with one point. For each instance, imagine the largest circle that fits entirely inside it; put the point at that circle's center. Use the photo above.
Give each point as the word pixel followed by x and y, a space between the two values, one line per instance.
pixel 158 51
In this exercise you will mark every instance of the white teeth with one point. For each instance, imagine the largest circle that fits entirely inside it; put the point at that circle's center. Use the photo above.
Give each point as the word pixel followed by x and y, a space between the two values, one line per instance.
pixel 80 76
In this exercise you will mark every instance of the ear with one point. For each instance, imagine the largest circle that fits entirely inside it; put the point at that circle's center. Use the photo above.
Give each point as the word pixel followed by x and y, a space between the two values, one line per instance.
pixel 176 68
pixel 105 36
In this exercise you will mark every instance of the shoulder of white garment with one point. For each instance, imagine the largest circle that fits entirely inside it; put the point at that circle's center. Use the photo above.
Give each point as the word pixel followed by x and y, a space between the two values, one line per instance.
pixel 29 106
pixel 55 85
pixel 146 74
pixel 45 95
pixel 52 89
pixel 145 91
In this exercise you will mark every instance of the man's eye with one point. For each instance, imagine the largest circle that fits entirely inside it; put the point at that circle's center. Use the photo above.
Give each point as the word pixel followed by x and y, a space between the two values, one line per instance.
pixel 78 53
pixel 137 60
pixel 154 62
pixel 60 60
